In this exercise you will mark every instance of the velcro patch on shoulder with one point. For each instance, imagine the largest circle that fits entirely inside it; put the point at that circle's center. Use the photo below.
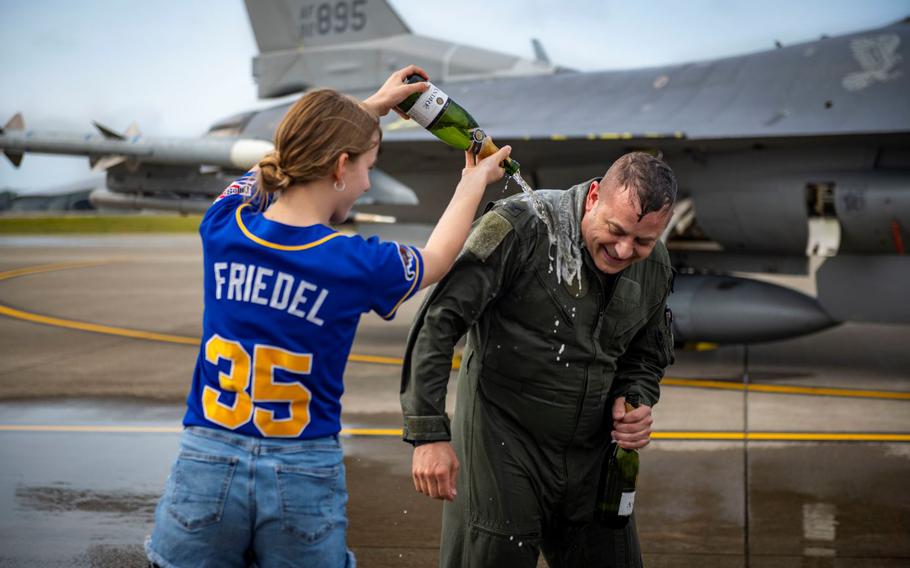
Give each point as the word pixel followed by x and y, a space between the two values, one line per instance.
pixel 487 235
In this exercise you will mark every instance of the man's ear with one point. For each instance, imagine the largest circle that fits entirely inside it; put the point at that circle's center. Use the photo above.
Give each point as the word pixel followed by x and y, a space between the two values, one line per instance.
pixel 593 196
pixel 340 165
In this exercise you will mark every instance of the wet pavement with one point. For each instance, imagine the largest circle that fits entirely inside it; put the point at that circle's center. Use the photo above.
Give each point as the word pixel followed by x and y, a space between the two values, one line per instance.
pixel 89 425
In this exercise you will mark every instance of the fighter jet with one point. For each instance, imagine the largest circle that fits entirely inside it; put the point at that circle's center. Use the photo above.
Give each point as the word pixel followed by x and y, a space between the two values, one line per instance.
pixel 785 158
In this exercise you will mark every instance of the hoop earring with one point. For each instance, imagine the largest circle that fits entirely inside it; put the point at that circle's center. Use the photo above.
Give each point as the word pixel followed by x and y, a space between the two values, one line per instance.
pixel 339 189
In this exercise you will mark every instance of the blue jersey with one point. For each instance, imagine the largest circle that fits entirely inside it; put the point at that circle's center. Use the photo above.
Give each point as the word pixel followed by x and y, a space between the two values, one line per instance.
pixel 282 304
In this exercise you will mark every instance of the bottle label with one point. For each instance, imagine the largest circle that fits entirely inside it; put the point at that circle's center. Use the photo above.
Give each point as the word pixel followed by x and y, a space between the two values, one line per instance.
pixel 429 105
pixel 626 503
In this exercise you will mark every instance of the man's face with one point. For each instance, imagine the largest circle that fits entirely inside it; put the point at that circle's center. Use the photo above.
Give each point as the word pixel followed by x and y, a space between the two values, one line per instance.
pixel 614 236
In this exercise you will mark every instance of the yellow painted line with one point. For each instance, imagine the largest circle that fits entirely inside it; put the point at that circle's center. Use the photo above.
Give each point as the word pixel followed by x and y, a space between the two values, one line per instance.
pixel 375 359
pixel 113 429
pixel 92 429
pixel 397 361
pixel 397 432
pixel 49 268
pixel 97 328
pixel 779 389
pixel 784 436
pixel 558 137
pixel 78 325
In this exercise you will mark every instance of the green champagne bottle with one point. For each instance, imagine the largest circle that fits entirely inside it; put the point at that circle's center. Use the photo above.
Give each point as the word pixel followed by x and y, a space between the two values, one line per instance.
pixel 618 475
pixel 449 122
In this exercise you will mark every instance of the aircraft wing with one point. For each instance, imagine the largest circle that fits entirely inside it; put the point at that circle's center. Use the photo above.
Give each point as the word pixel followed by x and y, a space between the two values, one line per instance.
pixel 170 174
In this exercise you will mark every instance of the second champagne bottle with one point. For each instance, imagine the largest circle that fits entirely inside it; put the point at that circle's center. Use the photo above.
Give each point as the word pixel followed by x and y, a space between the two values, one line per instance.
pixel 449 122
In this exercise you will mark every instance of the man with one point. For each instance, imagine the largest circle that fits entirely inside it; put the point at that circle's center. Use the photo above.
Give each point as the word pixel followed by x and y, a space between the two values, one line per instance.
pixel 545 373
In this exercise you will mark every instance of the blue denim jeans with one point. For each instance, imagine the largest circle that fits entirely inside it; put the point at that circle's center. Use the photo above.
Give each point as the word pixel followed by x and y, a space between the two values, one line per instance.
pixel 234 500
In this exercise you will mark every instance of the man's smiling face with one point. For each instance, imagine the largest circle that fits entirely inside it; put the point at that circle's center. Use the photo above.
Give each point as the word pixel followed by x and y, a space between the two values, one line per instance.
pixel 614 235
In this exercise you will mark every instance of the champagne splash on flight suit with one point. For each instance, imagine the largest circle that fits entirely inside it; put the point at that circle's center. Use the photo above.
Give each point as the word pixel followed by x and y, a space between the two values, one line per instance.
pixel 562 232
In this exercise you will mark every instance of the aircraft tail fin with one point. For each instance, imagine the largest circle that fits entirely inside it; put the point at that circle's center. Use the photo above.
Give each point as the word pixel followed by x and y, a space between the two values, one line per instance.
pixel 299 41
pixel 281 25
pixel 353 45
pixel 15 123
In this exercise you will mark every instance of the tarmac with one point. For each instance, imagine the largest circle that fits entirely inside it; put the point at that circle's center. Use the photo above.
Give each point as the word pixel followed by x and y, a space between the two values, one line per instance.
pixel 806 466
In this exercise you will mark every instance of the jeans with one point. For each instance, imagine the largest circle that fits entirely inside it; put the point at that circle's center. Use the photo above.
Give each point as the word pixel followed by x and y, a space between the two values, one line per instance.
pixel 235 500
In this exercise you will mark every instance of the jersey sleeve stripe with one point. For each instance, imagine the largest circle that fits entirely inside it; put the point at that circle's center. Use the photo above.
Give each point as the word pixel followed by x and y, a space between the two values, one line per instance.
pixel 269 244
pixel 410 291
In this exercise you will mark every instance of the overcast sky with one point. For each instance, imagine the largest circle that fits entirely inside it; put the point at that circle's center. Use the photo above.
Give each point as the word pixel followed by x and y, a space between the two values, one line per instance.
pixel 176 66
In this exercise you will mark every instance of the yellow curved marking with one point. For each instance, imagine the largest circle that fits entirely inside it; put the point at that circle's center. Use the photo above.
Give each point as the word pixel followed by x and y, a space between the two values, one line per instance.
pixel 81 326
pixel 49 268
pixel 397 432
pixel 97 328
pixel 397 361
pixel 265 243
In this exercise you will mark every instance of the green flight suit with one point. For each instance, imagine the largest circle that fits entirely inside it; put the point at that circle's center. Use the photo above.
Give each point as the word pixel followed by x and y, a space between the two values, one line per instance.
pixel 542 363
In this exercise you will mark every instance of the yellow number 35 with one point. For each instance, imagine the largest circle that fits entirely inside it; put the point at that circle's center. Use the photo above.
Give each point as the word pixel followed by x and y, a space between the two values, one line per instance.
pixel 264 362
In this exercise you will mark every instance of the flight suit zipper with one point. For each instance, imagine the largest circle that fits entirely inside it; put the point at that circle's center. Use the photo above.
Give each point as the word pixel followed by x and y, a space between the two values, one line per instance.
pixel 603 300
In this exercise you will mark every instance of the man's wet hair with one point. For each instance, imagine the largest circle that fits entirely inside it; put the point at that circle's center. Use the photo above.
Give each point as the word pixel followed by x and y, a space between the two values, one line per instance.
pixel 649 176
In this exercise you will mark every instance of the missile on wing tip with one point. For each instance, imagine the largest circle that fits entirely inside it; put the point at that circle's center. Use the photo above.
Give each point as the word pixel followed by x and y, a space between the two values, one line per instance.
pixel 733 310
pixel 110 148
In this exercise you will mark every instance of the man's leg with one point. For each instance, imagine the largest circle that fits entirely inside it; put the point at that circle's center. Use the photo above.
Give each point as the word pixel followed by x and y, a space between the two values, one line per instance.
pixel 496 516
pixel 478 534
pixel 592 544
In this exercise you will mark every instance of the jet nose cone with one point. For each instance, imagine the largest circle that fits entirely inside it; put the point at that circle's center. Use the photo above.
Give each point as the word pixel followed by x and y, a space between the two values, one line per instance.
pixel 728 309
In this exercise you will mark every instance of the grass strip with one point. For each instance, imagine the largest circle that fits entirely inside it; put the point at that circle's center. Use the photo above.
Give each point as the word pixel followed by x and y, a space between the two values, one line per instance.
pixel 99 224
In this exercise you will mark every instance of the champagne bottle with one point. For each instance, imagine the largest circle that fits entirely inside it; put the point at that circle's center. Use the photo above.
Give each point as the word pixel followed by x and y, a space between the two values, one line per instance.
pixel 618 475
pixel 449 122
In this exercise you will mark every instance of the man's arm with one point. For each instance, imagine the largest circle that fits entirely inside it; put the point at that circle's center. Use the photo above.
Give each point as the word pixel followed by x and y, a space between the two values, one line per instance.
pixel 479 275
pixel 638 374
pixel 640 369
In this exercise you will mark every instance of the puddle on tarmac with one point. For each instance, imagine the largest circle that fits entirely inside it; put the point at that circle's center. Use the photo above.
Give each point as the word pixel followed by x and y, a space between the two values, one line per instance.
pixel 60 498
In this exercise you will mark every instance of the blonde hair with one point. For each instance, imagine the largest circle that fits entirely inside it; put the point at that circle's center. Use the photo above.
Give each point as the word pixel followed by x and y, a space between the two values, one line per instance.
pixel 318 128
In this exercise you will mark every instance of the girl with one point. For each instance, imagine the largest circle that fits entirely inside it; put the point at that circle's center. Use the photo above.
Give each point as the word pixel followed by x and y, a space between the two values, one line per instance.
pixel 259 477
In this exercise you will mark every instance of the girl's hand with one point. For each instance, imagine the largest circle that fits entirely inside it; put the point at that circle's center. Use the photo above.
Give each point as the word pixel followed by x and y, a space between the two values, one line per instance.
pixel 394 91
pixel 489 168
